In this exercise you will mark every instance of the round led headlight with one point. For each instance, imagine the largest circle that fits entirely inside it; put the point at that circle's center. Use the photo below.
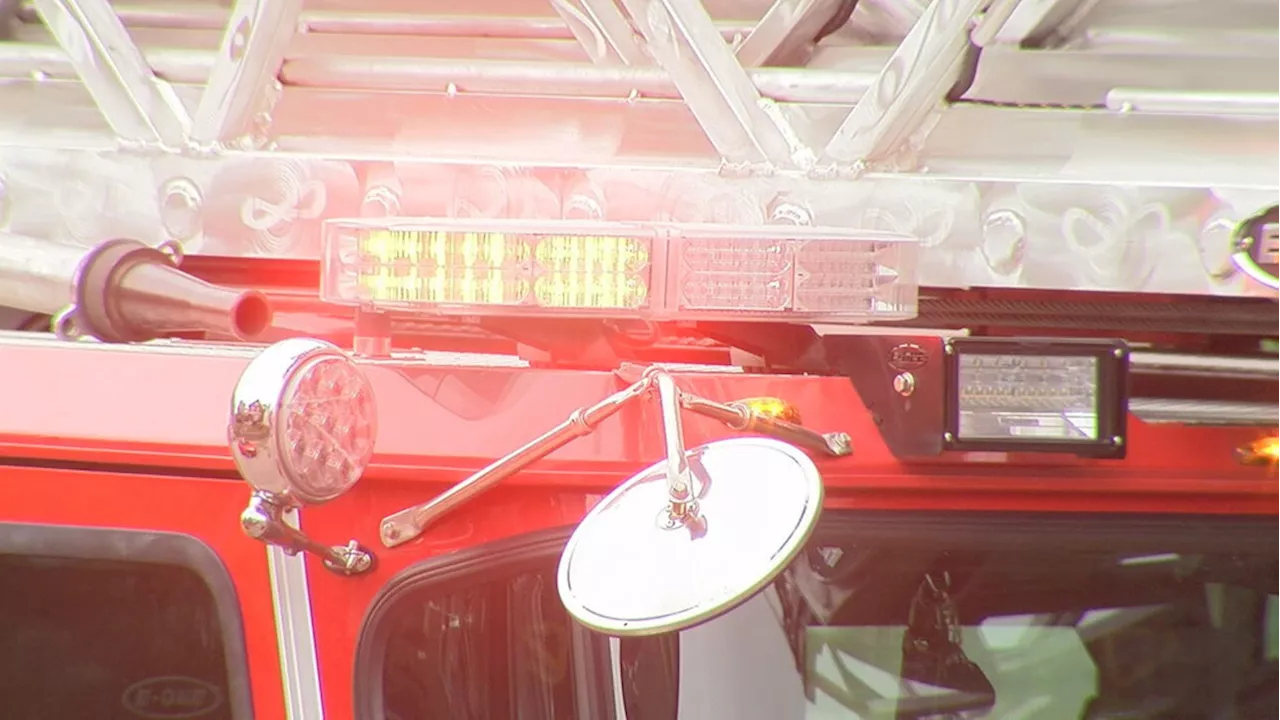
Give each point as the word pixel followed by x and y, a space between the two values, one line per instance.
pixel 303 421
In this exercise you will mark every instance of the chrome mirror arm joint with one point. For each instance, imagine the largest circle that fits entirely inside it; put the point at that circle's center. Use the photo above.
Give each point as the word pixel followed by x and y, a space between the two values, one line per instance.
pixel 265 519
pixel 738 417
pixel 682 496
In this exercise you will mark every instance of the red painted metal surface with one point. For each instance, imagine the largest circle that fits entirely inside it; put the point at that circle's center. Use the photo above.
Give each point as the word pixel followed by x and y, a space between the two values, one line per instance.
pixel 167 408
pixel 206 509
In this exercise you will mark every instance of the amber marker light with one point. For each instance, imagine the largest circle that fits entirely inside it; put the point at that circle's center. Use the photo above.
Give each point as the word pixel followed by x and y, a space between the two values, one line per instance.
pixel 773 408
pixel 1263 451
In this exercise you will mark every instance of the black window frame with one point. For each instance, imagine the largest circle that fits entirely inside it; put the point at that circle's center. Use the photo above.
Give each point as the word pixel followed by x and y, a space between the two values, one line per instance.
pixel 444 574
pixel 75 542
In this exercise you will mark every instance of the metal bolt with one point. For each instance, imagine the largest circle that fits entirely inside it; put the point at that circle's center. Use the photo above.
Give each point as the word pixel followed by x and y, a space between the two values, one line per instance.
pixel 360 562
pixel 254 526
pixel 390 531
pixel 180 203
pixel 948 348
pixel 785 212
pixel 1117 440
pixel 948 437
pixel 839 442
pixel 239 41
pixel 354 559
pixel 904 384
pixel 667 521
pixel 1118 352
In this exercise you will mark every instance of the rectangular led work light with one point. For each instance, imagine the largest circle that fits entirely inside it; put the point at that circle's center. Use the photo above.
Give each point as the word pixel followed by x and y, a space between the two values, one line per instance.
pixel 648 271
pixel 1036 396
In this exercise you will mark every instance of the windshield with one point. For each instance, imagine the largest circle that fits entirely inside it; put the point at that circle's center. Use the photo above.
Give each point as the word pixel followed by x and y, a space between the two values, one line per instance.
pixel 1005 618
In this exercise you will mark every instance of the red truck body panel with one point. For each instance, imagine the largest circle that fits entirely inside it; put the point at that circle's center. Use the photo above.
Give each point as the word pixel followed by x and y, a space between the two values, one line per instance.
pixel 138 436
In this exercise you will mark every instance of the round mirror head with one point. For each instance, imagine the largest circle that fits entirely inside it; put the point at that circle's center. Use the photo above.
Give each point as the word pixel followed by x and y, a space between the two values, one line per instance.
pixel 627 572
pixel 303 421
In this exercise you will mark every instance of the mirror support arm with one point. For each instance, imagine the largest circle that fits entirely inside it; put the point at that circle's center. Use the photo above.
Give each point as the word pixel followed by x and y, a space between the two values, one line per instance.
pixel 680 494
pixel 264 520
pixel 743 419
pixel 408 524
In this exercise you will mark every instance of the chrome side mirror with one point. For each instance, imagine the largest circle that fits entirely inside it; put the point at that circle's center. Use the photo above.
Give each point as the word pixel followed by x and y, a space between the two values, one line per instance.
pixel 687 539
pixel 699 533
pixel 628 570
pixel 302 429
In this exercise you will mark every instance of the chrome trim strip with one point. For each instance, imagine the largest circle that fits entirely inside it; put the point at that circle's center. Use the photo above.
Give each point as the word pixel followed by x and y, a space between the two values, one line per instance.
pixel 295 632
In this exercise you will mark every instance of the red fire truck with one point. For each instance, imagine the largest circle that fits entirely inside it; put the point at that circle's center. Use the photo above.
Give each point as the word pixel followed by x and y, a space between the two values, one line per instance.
pixel 765 360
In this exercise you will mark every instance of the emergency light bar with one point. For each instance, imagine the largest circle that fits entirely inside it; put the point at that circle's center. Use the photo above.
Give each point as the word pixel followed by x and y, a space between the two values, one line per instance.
pixel 1036 396
pixel 686 272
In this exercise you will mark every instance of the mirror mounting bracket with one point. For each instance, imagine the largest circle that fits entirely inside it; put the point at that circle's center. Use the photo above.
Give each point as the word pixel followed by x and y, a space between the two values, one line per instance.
pixel 682 502
pixel 405 525
pixel 264 520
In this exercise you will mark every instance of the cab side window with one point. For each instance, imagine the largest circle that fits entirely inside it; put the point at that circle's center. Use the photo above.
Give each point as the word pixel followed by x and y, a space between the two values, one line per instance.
pixel 117 624
pixel 485 639
pixel 448 653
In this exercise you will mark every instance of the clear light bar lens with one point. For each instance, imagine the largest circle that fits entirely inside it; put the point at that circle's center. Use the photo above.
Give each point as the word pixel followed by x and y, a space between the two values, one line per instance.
pixel 807 276
pixel 659 272
pixel 413 267
pixel 1028 397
